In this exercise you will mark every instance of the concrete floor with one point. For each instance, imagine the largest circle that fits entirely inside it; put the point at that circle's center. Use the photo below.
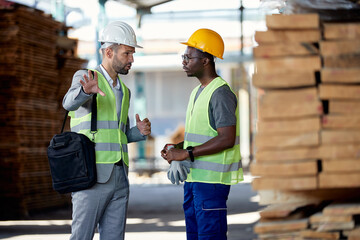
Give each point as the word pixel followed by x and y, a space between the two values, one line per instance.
pixel 155 212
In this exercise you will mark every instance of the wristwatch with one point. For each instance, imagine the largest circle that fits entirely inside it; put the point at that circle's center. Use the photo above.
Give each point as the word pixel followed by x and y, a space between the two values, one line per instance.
pixel 189 149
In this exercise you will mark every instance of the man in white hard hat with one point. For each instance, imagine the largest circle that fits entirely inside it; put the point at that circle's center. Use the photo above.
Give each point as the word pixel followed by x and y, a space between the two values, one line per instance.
pixel 105 204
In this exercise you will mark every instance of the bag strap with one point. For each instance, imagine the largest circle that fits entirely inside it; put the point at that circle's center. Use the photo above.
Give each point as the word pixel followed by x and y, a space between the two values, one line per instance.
pixel 93 129
pixel 63 125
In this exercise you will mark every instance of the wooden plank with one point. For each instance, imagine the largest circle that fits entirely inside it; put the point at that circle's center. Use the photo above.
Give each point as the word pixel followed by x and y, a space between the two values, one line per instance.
pixel 333 91
pixel 294 183
pixel 274 196
pixel 344 107
pixel 288 155
pixel 275 36
pixel 342 47
pixel 311 234
pixel 266 50
pixel 282 210
pixel 340 75
pixel 304 168
pixel 288 79
pixel 290 103
pixel 286 64
pixel 339 180
pixel 339 136
pixel 294 235
pixel 280 226
pixel 292 21
pixel 274 97
pixel 287 110
pixel 321 218
pixel 343 165
pixel 338 151
pixel 342 30
pixel 300 125
pixel 341 61
pixel 341 122
pixel 273 141
pixel 304 153
pixel 342 208
pixel 330 226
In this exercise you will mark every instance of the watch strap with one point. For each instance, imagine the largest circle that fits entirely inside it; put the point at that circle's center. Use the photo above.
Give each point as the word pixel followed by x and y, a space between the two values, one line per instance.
pixel 190 151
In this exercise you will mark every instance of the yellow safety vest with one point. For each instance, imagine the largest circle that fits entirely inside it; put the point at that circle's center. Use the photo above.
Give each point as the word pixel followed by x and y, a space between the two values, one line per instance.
pixel 110 138
pixel 223 167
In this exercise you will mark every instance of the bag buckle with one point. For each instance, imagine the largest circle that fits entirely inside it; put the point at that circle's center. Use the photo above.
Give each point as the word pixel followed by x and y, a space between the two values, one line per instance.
pixel 93 134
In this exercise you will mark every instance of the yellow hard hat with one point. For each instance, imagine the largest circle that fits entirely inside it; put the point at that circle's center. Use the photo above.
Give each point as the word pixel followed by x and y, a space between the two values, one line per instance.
pixel 207 41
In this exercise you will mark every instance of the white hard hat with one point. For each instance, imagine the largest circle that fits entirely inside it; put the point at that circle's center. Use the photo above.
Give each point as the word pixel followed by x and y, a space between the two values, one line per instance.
pixel 119 32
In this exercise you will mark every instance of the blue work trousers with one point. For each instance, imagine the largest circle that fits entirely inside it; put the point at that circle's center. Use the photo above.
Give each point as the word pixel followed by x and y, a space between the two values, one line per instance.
pixel 205 210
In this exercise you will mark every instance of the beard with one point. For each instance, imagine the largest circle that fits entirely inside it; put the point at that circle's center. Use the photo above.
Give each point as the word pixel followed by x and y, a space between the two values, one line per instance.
pixel 121 68
pixel 123 71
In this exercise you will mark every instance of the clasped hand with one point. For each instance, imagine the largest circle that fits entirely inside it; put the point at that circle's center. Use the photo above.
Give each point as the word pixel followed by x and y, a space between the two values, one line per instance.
pixel 174 154
pixel 179 166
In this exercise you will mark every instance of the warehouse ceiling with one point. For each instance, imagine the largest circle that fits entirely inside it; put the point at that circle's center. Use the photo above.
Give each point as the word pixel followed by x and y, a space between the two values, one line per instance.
pixel 143 4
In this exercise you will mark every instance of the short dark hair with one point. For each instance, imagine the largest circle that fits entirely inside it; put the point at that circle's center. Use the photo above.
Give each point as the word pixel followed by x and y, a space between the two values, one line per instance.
pixel 206 55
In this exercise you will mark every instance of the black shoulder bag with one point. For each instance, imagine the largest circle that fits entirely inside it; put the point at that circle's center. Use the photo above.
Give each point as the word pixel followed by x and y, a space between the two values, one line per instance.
pixel 71 158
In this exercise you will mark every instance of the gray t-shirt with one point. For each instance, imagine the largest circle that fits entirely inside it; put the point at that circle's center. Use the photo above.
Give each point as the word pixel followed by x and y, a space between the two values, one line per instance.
pixel 222 107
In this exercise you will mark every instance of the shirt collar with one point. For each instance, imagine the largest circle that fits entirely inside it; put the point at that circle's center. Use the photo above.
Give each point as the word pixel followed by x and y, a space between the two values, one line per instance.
pixel 109 79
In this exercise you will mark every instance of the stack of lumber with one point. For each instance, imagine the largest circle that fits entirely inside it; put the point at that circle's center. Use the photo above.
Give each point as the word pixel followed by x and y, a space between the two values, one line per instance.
pixel 290 107
pixel 30 88
pixel 308 135
pixel 284 221
pixel 309 221
pixel 340 78
pixel 335 221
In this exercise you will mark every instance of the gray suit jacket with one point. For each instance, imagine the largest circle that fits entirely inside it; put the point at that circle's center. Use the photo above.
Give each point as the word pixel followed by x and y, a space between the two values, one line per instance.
pixel 76 100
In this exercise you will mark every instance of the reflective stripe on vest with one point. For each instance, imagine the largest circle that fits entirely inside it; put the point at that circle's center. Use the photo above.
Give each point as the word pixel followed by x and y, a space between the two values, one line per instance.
pixel 192 137
pixel 110 138
pixel 217 167
pixel 223 167
pixel 100 125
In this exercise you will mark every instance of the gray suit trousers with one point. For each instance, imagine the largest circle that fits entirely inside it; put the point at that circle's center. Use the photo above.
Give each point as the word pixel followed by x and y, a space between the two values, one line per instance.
pixel 103 206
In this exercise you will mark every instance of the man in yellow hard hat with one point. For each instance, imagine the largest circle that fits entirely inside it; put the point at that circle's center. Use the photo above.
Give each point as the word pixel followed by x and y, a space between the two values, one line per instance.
pixel 211 141
pixel 104 206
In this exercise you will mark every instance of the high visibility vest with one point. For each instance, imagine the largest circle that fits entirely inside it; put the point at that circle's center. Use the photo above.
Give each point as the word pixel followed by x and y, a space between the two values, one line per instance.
pixel 223 167
pixel 110 138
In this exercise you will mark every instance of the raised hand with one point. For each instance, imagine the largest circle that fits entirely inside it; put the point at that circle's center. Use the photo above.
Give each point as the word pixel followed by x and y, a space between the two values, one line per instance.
pixel 90 84
pixel 144 125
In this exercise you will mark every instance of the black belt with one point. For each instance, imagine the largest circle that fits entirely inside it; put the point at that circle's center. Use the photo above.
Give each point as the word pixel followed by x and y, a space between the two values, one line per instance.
pixel 119 163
